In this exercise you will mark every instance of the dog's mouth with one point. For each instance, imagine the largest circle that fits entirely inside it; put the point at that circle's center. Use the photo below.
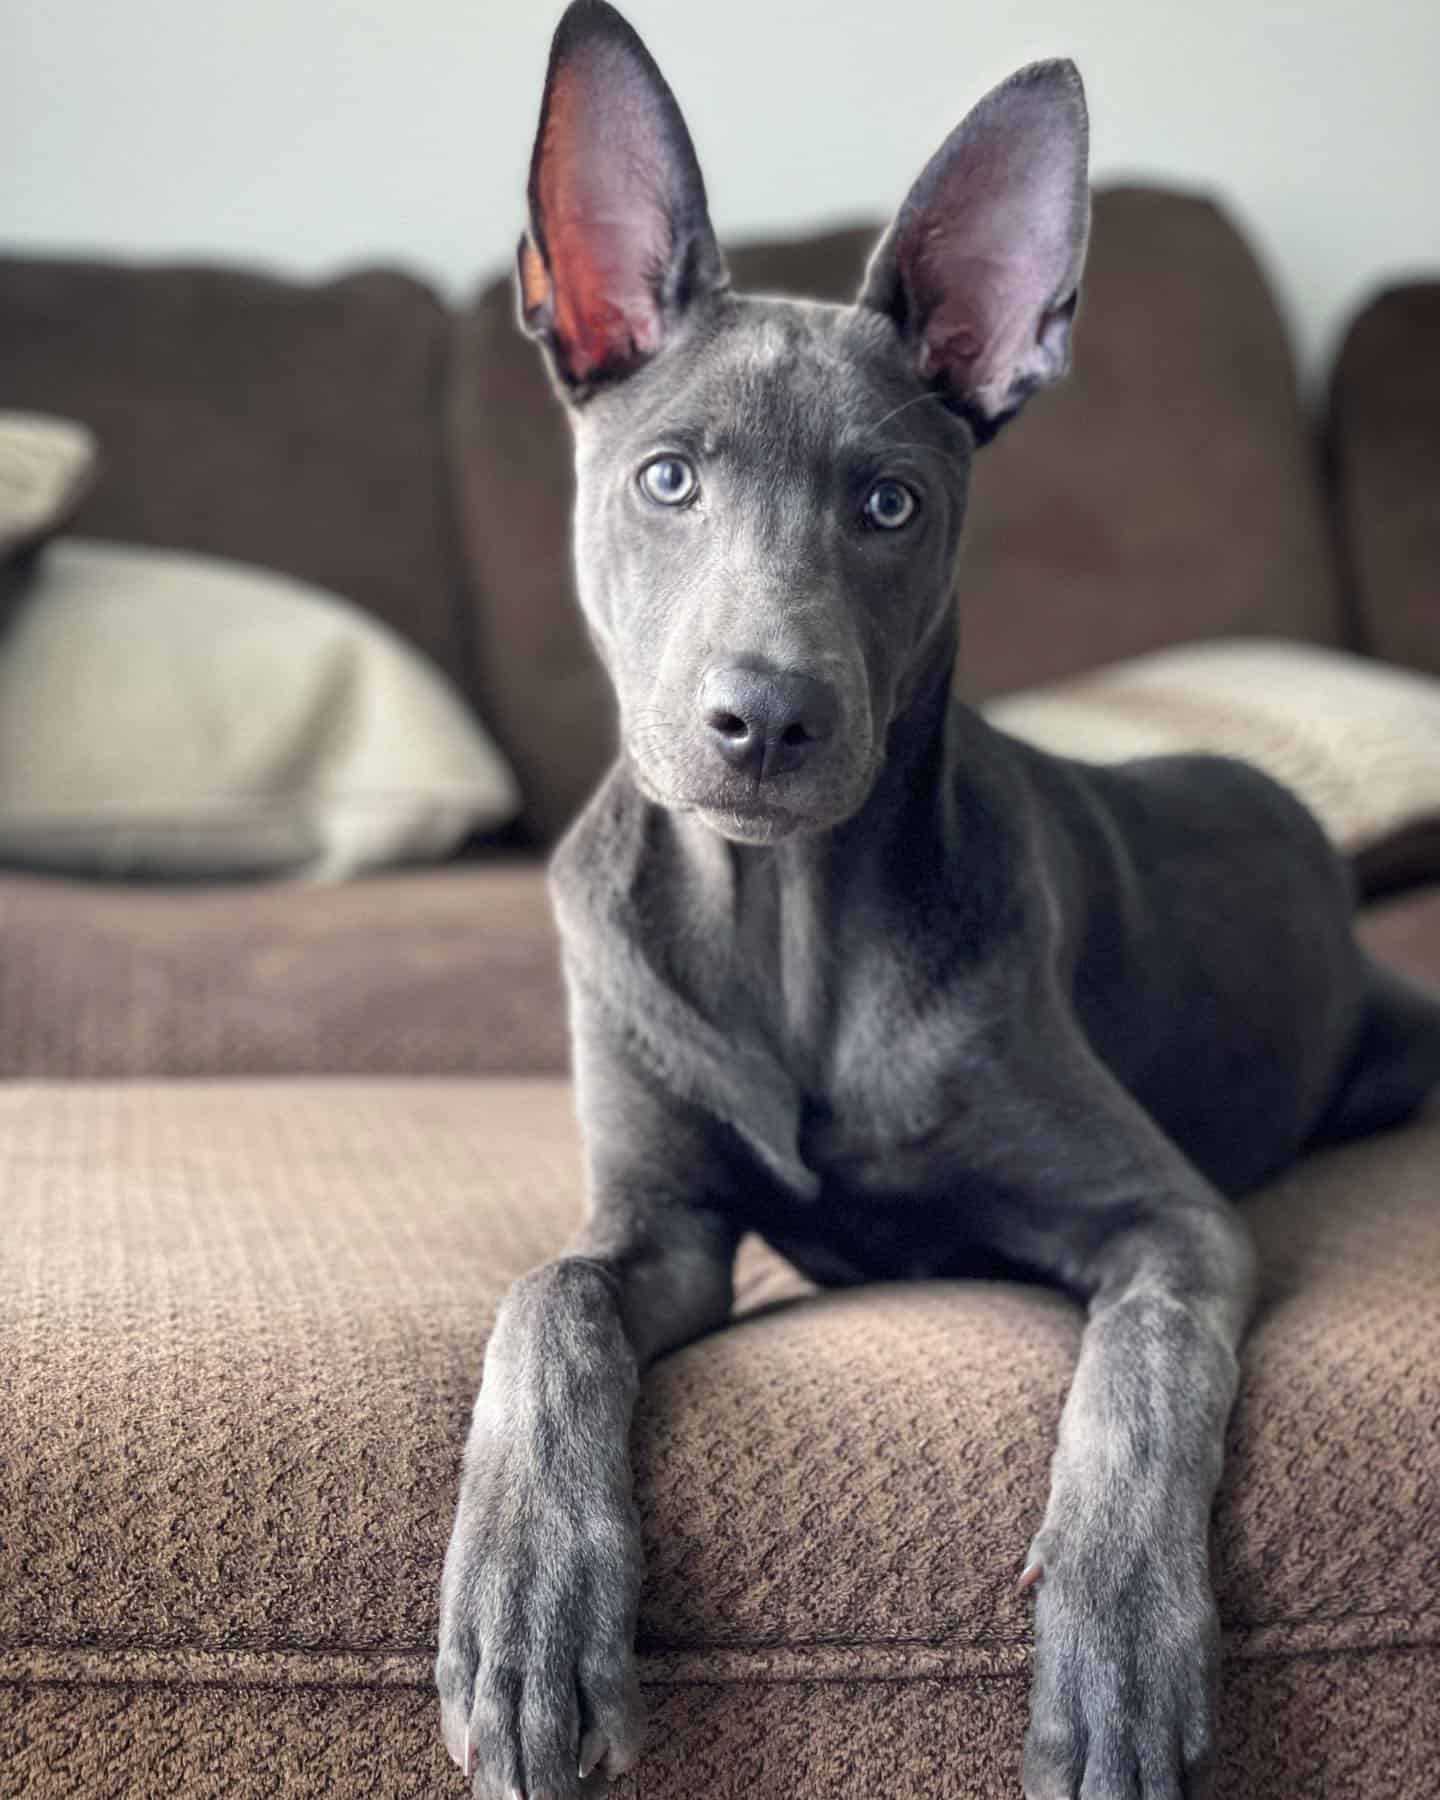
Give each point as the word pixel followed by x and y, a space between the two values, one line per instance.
pixel 737 806
pixel 744 813
pixel 757 822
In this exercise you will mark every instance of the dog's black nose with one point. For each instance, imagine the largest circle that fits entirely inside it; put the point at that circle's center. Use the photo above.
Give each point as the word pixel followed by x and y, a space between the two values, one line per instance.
pixel 766 724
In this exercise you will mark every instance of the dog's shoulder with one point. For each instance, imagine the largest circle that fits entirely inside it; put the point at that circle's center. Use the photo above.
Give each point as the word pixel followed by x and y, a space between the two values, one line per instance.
pixel 597 866
pixel 1199 802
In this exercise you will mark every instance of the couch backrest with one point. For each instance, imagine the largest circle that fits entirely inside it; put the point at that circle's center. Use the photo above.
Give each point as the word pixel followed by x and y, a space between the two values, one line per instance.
pixel 1385 464
pixel 1166 491
pixel 289 425
pixel 356 434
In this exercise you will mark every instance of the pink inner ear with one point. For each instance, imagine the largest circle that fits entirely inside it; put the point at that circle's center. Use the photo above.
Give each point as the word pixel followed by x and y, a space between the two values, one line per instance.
pixel 601 209
pixel 996 242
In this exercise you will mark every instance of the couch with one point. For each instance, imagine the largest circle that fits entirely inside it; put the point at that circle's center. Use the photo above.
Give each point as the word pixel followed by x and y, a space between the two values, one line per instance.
pixel 270 1154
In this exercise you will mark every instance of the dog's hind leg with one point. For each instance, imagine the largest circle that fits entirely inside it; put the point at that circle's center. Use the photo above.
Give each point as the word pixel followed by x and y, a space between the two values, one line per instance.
pixel 1395 1064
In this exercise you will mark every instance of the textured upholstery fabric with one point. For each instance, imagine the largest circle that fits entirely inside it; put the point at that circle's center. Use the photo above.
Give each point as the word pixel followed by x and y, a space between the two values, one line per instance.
pixel 292 426
pixel 1163 492
pixel 241 1325
pixel 240 1329
pixel 1339 1727
pixel 1384 437
pixel 445 971
pixel 438 972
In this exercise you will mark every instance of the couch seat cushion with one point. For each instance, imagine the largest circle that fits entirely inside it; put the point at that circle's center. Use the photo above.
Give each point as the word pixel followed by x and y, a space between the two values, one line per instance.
pixel 439 971
pixel 449 971
pixel 241 1326
pixel 1404 931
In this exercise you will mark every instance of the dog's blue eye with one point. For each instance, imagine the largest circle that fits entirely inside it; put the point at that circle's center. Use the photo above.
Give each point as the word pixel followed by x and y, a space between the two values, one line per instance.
pixel 890 504
pixel 669 480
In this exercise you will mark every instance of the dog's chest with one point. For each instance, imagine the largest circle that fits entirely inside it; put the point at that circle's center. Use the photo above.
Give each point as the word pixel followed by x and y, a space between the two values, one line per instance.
pixel 837 1017
pixel 897 1198
pixel 885 1071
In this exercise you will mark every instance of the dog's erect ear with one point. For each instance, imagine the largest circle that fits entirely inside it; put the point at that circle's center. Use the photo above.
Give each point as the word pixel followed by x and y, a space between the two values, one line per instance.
pixel 981 268
pixel 620 242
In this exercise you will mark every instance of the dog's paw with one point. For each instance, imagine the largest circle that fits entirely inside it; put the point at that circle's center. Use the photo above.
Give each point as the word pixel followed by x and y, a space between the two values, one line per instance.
pixel 1126 1656
pixel 538 1699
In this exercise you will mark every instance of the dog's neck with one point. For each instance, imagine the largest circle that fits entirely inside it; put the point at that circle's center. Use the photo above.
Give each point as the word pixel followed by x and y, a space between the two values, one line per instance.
pixel 782 908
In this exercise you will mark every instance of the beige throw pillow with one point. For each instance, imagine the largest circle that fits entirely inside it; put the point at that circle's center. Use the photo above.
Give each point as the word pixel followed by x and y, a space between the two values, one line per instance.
pixel 171 715
pixel 46 465
pixel 1358 741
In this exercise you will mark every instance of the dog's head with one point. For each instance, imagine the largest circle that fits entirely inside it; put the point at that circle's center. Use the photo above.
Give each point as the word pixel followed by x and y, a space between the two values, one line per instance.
pixel 770 492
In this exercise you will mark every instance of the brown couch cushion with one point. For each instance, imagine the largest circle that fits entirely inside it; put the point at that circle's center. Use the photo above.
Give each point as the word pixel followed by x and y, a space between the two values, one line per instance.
pixel 1385 453
pixel 1349 1727
pixel 1164 492
pixel 447 971
pixel 1405 933
pixel 292 426
pixel 443 972
pixel 241 1328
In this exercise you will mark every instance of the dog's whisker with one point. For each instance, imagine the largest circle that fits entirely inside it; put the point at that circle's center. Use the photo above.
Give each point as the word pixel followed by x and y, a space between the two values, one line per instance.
pixel 924 450
pixel 904 406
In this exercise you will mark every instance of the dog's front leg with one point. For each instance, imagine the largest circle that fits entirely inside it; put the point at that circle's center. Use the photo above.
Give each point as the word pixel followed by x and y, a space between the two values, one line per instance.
pixel 542 1576
pixel 1126 1631
pixel 1127 1638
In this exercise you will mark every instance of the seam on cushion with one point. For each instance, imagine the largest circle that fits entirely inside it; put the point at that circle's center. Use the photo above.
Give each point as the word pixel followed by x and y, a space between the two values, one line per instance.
pixel 55 1666
pixel 659 1645
pixel 1427 1620
pixel 652 1677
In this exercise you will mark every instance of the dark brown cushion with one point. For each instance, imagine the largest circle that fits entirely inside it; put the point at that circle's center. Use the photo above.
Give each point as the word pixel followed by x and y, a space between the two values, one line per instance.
pixel 1164 492
pixel 541 690
pixel 1404 931
pixel 447 971
pixel 1385 456
pixel 1167 490
pixel 439 972
pixel 241 1328
pixel 290 426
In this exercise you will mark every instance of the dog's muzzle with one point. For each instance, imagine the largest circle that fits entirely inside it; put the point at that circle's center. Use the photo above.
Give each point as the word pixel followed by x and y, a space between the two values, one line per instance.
pixel 765 723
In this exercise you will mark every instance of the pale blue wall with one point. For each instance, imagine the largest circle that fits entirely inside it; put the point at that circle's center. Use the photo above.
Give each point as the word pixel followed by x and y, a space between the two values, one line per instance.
pixel 306 133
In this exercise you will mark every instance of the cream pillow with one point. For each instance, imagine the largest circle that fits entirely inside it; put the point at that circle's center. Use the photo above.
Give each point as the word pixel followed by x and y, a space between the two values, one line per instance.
pixel 46 468
pixel 174 715
pixel 1358 741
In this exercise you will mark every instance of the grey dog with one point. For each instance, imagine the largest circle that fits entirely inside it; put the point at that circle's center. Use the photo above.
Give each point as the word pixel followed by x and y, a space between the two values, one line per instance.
pixel 849 968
